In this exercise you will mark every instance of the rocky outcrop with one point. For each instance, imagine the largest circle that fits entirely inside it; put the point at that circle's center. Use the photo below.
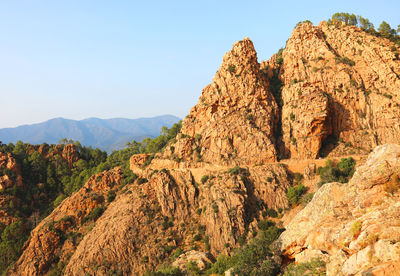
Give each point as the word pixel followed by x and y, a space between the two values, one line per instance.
pixel 70 154
pixel 48 240
pixel 173 211
pixel 200 259
pixel 342 83
pixel 354 226
pixel 10 172
pixel 236 116
pixel 10 175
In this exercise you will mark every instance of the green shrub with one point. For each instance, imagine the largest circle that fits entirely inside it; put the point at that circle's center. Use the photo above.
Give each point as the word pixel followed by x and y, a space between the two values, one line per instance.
pixel 279 57
pixel 176 254
pixel 141 180
pixel 192 268
pixel 222 264
pixel 264 225
pixel 270 213
pixel 165 270
pixel 238 170
pixel 294 193
pixel 231 68
pixel 111 196
pixel 255 258
pixel 345 60
pixel 204 179
pixel 315 267
pixel 298 177
pixel 197 238
pixel 207 243
pixel 167 223
pixel 215 207
pixel 94 214
pixel 341 172
pixel 387 95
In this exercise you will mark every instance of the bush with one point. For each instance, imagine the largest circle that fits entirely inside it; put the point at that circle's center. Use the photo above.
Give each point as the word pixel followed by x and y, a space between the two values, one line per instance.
pixel 222 264
pixel 165 270
pixel 298 177
pixel 111 196
pixel 176 254
pixel 204 179
pixel 238 170
pixel 231 68
pixel 192 268
pixel 294 193
pixel 94 214
pixel 341 172
pixel 314 267
pixel 254 258
pixel 167 223
pixel 197 238
pixel 141 181
pixel 264 225
pixel 279 57
pixel 12 238
pixel 207 243
pixel 345 60
pixel 270 213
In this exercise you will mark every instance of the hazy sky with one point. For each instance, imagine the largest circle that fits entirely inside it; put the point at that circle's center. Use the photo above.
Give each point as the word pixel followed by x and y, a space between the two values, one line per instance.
pixel 103 58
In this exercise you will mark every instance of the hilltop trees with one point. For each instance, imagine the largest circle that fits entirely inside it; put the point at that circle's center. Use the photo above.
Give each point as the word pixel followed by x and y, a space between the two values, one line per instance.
pixel 351 20
pixel 364 23
pixel 385 30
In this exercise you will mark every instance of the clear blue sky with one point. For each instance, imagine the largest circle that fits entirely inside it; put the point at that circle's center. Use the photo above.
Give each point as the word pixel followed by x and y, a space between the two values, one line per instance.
pixel 103 58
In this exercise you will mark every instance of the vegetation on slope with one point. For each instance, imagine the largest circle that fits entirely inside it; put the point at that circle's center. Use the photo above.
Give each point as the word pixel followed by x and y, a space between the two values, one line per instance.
pixel 48 179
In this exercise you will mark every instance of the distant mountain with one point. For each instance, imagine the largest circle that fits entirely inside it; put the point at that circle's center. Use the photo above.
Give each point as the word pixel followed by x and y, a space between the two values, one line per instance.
pixel 106 134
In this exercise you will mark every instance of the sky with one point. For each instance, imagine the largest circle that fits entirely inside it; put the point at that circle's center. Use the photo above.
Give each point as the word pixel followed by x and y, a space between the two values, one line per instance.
pixel 110 59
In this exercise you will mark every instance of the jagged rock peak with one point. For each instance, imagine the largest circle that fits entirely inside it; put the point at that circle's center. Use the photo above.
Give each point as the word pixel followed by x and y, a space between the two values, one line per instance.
pixel 235 118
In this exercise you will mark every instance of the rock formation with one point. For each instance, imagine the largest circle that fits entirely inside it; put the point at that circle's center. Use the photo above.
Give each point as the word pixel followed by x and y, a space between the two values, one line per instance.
pixel 235 119
pixel 342 83
pixel 354 227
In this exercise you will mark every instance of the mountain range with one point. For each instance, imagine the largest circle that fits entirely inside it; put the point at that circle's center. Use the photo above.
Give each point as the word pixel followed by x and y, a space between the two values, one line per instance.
pixel 106 134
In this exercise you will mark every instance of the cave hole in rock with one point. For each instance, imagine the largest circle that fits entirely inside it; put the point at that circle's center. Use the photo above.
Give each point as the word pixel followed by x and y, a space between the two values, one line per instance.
pixel 328 145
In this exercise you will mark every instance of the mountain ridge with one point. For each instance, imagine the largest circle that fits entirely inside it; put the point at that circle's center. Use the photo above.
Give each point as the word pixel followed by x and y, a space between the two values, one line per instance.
pixel 106 134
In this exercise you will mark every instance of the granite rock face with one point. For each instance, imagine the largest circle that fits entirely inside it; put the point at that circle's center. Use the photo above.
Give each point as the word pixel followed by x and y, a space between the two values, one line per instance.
pixel 354 227
pixel 341 82
pixel 235 119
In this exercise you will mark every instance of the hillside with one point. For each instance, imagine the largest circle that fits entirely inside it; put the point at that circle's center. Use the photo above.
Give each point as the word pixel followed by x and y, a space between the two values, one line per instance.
pixel 105 134
pixel 286 166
